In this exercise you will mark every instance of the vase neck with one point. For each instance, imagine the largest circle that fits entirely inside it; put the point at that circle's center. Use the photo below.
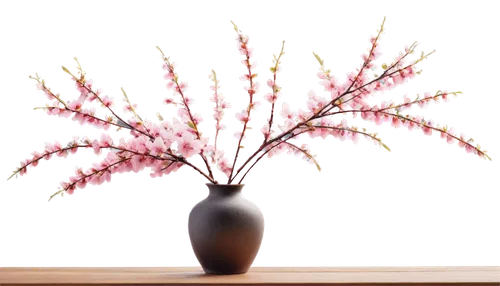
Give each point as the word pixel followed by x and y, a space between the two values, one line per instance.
pixel 224 190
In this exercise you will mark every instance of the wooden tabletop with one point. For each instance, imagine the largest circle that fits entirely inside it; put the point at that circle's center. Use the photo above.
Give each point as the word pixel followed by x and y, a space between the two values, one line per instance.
pixel 256 276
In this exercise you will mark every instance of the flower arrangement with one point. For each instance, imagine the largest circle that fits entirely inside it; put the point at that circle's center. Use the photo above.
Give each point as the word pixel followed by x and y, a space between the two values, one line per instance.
pixel 166 146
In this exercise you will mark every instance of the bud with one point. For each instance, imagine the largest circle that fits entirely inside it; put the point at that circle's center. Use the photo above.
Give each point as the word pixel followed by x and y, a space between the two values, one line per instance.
pixel 383 65
pixel 191 124
pixel 67 71
pixel 38 108
pixel 235 27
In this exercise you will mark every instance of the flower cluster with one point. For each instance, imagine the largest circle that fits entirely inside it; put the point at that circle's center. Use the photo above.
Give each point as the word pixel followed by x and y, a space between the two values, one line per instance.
pixel 166 146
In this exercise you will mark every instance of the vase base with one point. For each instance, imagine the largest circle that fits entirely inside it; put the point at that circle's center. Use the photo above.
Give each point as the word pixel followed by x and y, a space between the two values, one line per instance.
pixel 212 272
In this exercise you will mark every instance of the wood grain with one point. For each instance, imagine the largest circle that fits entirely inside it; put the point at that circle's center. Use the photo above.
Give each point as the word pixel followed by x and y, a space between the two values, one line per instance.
pixel 256 276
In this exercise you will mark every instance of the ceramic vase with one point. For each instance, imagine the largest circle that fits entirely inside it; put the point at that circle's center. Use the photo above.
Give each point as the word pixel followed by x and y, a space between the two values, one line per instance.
pixel 226 230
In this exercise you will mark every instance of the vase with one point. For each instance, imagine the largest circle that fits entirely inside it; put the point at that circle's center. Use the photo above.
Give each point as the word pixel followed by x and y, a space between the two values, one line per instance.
pixel 226 230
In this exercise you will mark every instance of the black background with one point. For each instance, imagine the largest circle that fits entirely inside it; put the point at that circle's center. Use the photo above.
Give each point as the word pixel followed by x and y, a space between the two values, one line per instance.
pixel 413 209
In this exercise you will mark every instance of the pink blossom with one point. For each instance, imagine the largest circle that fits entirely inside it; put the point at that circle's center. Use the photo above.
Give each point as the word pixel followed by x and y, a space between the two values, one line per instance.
pixel 289 124
pixel 303 115
pixel 169 76
pixel 157 147
pixel 224 166
pixel 104 140
pixel 183 114
pixel 330 84
pixel 396 122
pixel 75 105
pixel 243 116
pixel 203 143
pixel 165 167
pixel 153 129
pixel 142 144
pixel 286 112
pixel 89 83
pixel 96 180
pixel 237 135
pixel 107 101
pixel 265 130
pixel 272 97
pixel 138 163
pixel 82 183
pixel 188 146
pixel 81 88
pixel 427 130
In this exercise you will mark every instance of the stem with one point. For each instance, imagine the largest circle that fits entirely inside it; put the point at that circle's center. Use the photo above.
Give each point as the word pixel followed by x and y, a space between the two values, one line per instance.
pixel 237 151
pixel 384 74
pixel 100 100
pixel 266 143
pixel 86 176
pixel 169 164
pixel 42 82
pixel 176 158
pixel 251 91
pixel 349 130
pixel 256 157
pixel 241 171
pixel 89 115
pixel 367 60
pixel 404 118
pixel 50 153
pixel 189 113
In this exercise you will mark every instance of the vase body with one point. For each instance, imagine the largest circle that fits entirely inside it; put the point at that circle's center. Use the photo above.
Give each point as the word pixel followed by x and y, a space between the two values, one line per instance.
pixel 226 230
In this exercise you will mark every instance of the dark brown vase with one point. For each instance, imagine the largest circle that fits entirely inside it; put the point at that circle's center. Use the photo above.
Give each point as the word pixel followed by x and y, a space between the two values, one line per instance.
pixel 226 230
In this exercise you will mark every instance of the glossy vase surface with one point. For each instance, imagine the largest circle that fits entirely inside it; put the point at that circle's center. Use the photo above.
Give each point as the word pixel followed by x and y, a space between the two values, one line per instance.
pixel 226 230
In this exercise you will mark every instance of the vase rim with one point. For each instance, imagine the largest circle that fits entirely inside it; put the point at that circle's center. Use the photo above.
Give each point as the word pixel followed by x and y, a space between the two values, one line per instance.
pixel 211 184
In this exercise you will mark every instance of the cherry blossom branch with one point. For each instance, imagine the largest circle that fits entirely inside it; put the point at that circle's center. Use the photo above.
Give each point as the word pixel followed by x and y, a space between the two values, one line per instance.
pixel 316 115
pixel 50 95
pixel 276 90
pixel 84 86
pixel 179 88
pixel 339 102
pixel 272 98
pixel 255 158
pixel 243 47
pixel 131 107
pixel 113 113
pixel 424 102
pixel 63 151
pixel 311 129
pixel 410 73
pixel 220 105
pixel 398 120
pixel 370 57
pixel 309 156
pixel 81 116
pixel 326 73
pixel 174 158
pixel 71 186
pixel 317 56
pixel 373 136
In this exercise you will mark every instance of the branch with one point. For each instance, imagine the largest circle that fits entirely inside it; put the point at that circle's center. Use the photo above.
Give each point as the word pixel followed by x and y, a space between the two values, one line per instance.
pixel 419 123
pixel 72 185
pixel 251 92
pixel 46 154
pixel 193 124
pixel 109 121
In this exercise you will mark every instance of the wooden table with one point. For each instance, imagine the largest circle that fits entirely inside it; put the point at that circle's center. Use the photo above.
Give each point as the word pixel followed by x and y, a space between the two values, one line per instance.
pixel 256 276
